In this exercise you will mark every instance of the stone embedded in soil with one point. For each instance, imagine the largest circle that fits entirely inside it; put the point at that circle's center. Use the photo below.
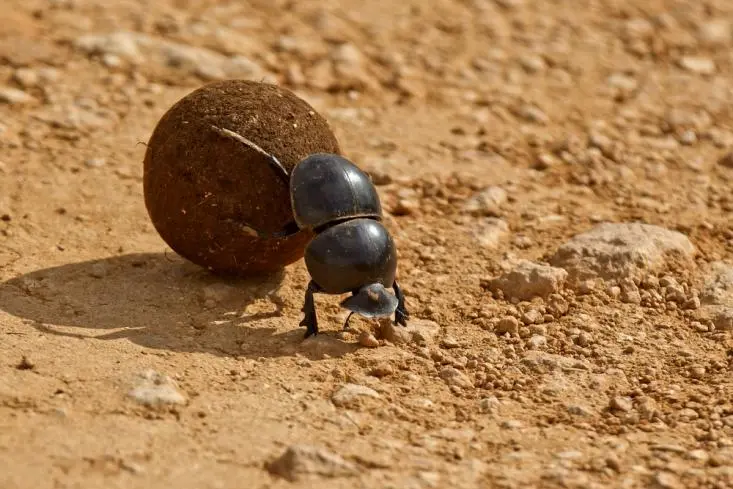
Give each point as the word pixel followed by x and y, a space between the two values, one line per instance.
pixel 629 292
pixel 382 370
pixel 698 64
pixel 718 288
pixel 489 404
pixel 536 342
pixel 540 361
pixel 26 363
pixel 488 202
pixel 726 160
pixel 717 32
pixel 508 324
pixel 617 251
pixel 528 280
pixel 303 461
pixel 622 81
pixel 419 331
pixel 155 389
pixel 620 403
pixel 512 424
pixel 722 318
pixel 351 393
pixel 579 410
pixel 454 377
pixel 716 297
pixel 13 96
pixel 667 480
pixel 532 113
pixel 367 339
pixel 491 231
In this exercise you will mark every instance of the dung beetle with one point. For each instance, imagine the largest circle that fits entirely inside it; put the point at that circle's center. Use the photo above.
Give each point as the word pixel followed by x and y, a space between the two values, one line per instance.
pixel 352 251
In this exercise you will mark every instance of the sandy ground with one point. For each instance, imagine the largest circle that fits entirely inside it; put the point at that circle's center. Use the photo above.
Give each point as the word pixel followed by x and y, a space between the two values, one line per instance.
pixel 497 131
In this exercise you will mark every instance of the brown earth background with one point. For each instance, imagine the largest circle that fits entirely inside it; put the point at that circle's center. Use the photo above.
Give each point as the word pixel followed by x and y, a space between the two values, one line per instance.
pixel 496 130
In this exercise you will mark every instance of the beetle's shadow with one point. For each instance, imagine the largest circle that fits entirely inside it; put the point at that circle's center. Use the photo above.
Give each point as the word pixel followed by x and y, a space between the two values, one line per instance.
pixel 163 302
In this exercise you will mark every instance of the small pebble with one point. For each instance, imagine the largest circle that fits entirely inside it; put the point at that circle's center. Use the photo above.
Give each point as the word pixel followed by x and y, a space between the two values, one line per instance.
pixel 697 372
pixel 155 389
pixel 536 342
pixel 455 377
pixel 26 77
pixel 532 316
pixel 715 32
pixel 508 324
pixel 489 404
pixel 449 342
pixel 491 231
pixel 382 370
pixel 511 424
pixel 95 162
pixel 488 202
pixel 622 404
pixel 726 160
pixel 533 63
pixel 530 113
pixel 26 363
pixel 630 293
pixel 349 393
pixel 698 64
pixel 699 455
pixel 667 480
pixel 405 207
pixel 301 461
pixel 13 96
pixel 577 410
pixel 367 339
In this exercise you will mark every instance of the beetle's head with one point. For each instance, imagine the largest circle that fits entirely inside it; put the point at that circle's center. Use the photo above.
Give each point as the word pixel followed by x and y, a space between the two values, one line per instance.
pixel 370 301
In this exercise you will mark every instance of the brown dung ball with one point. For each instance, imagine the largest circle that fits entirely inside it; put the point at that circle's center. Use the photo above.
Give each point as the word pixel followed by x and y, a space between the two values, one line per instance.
pixel 203 190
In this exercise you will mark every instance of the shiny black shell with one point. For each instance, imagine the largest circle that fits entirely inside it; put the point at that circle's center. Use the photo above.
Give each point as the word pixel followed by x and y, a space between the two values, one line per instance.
pixel 326 188
pixel 351 254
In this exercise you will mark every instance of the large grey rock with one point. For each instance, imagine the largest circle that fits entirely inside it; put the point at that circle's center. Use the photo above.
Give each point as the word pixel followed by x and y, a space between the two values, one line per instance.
pixel 617 251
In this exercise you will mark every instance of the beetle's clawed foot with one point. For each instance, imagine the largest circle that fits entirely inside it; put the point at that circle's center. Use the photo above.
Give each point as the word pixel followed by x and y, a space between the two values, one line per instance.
pixel 311 326
pixel 401 316
pixel 310 320
pixel 346 322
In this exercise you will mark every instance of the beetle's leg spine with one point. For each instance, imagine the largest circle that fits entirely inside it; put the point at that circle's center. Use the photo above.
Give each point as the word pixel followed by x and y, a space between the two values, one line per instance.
pixel 310 318
pixel 401 315
pixel 274 162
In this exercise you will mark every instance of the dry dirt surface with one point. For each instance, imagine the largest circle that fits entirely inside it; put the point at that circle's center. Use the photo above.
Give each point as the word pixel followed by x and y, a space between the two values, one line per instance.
pixel 557 175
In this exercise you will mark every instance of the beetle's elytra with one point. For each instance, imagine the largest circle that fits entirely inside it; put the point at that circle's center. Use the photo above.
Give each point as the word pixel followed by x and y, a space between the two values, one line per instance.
pixel 352 251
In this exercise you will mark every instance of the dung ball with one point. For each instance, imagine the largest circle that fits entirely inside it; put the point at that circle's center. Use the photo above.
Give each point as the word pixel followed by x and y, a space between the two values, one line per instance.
pixel 205 191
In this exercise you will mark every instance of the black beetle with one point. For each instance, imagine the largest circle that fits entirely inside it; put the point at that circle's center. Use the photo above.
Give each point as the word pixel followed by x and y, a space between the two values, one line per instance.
pixel 352 251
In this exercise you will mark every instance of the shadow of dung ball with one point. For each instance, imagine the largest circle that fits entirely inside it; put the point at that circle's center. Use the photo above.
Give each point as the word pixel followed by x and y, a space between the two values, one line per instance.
pixel 202 189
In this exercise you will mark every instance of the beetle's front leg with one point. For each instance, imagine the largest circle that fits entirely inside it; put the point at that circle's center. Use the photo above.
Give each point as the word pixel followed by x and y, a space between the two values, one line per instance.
pixel 310 319
pixel 401 315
